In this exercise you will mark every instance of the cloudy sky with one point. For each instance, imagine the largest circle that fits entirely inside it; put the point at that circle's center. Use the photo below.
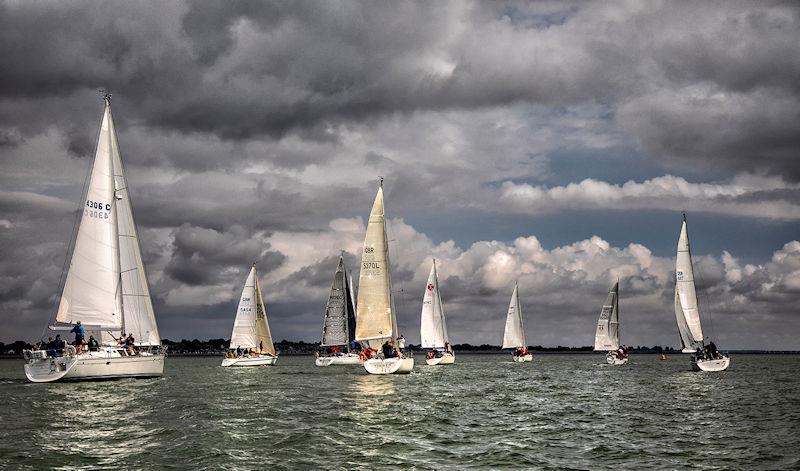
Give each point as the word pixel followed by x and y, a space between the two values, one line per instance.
pixel 552 143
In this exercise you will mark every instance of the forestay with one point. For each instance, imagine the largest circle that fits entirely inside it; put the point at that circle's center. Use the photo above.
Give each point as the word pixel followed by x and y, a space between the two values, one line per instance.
pixel 91 288
pixel 606 337
pixel 433 327
pixel 376 319
pixel 687 312
pixel 514 335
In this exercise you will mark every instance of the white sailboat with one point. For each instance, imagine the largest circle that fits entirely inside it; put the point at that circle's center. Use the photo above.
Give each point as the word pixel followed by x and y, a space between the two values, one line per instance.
pixel 606 337
pixel 340 322
pixel 514 335
pixel 687 311
pixel 377 317
pixel 251 341
pixel 433 327
pixel 106 289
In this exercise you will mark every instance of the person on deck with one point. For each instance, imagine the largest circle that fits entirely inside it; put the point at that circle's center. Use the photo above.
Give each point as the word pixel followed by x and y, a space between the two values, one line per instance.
pixel 355 346
pixel 58 346
pixel 712 349
pixel 77 329
pixel 93 344
pixel 130 344
pixel 447 346
pixel 238 351
pixel 401 343
pixel 388 350
pixel 260 346
pixel 121 340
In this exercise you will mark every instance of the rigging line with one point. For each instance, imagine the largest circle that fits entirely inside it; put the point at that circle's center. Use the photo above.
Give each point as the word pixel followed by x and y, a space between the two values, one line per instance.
pixel 708 303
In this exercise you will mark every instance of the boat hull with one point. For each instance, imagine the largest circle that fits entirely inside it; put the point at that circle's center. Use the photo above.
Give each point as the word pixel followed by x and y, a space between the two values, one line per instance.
pixel 86 367
pixel 522 358
pixel 388 366
pixel 245 362
pixel 344 360
pixel 711 365
pixel 612 359
pixel 445 359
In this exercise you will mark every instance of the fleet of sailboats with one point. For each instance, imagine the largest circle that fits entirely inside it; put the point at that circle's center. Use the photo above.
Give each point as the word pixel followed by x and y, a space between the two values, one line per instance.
pixel 687 311
pixel 433 326
pixel 338 333
pixel 106 292
pixel 514 334
pixel 606 337
pixel 251 340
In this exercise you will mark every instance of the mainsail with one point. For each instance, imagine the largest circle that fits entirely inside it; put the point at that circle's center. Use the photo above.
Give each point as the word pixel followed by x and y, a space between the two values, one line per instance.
pixel 91 290
pixel 687 312
pixel 250 328
pixel 376 317
pixel 340 312
pixel 433 327
pixel 514 335
pixel 606 338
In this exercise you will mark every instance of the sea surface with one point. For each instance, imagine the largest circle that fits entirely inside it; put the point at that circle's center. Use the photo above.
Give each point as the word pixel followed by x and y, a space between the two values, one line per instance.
pixel 484 412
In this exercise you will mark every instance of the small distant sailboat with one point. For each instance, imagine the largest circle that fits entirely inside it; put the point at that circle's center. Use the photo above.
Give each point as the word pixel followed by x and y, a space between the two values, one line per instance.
pixel 340 321
pixel 433 327
pixel 106 288
pixel 251 341
pixel 377 316
pixel 514 335
pixel 606 337
pixel 687 311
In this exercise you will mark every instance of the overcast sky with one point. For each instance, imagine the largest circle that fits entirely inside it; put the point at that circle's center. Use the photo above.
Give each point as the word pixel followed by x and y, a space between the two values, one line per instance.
pixel 552 143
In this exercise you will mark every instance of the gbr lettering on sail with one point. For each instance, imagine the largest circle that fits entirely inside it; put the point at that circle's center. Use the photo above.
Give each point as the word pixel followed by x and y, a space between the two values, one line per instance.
pixel 369 264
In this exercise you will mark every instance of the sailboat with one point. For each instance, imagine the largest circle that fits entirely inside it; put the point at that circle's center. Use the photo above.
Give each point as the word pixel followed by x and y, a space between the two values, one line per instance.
pixel 687 311
pixel 514 335
pixel 433 327
pixel 606 337
pixel 251 340
pixel 340 322
pixel 377 316
pixel 106 289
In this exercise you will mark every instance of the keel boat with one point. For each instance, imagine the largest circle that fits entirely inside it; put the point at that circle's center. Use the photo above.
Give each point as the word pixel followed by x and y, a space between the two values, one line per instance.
pixel 606 337
pixel 251 340
pixel 338 333
pixel 514 334
pixel 433 326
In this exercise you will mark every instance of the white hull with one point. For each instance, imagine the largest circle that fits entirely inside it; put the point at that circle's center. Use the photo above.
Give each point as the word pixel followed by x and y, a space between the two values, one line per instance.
pixel 522 358
pixel 249 361
pixel 445 359
pixel 612 359
pixel 711 365
pixel 349 360
pixel 94 366
pixel 379 366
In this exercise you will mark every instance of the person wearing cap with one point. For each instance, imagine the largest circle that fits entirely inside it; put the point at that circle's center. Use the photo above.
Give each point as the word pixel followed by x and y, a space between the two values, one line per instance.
pixel 77 329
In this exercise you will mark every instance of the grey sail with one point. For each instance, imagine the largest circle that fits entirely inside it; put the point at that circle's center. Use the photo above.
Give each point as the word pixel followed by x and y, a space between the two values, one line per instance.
pixel 339 312
pixel 607 334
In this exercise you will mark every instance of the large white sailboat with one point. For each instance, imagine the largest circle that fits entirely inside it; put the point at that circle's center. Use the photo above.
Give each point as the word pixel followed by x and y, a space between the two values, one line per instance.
pixel 251 341
pixel 340 322
pixel 606 337
pixel 377 316
pixel 106 289
pixel 433 326
pixel 687 312
pixel 514 335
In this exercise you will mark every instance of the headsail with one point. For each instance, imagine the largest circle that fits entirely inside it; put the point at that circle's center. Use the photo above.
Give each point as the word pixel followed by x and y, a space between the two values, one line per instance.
pixel 339 310
pixel 376 316
pixel 606 337
pixel 263 335
pixel 687 312
pixel 250 328
pixel 433 327
pixel 514 335
pixel 92 287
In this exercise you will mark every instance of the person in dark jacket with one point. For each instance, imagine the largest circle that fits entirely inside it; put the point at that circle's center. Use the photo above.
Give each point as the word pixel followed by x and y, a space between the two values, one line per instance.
pixel 93 344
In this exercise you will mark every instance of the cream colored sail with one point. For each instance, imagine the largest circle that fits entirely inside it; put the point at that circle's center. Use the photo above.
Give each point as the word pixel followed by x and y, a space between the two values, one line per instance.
pixel 263 335
pixel 92 287
pixel 244 325
pixel 433 327
pixel 687 311
pixel 376 317
pixel 514 335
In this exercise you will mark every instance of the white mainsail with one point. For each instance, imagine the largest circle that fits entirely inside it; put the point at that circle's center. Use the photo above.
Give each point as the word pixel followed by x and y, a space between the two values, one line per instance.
pixel 92 287
pixel 339 312
pixel 687 312
pixel 606 338
pixel 514 335
pixel 250 328
pixel 433 327
pixel 376 316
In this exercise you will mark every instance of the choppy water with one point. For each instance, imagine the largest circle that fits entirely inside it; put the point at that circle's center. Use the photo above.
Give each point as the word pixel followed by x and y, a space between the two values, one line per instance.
pixel 559 412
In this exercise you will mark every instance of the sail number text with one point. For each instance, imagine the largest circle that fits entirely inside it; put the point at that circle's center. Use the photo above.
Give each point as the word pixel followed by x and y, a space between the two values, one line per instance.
pixel 97 210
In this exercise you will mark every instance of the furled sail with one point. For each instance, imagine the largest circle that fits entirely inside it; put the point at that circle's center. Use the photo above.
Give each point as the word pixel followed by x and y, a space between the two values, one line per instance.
pixel 138 315
pixel 433 327
pixel 687 312
pixel 92 287
pixel 606 337
pixel 250 328
pixel 376 316
pixel 514 335
pixel 336 330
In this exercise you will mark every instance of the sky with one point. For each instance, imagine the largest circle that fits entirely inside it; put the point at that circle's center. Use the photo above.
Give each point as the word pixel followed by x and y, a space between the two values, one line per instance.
pixel 552 143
